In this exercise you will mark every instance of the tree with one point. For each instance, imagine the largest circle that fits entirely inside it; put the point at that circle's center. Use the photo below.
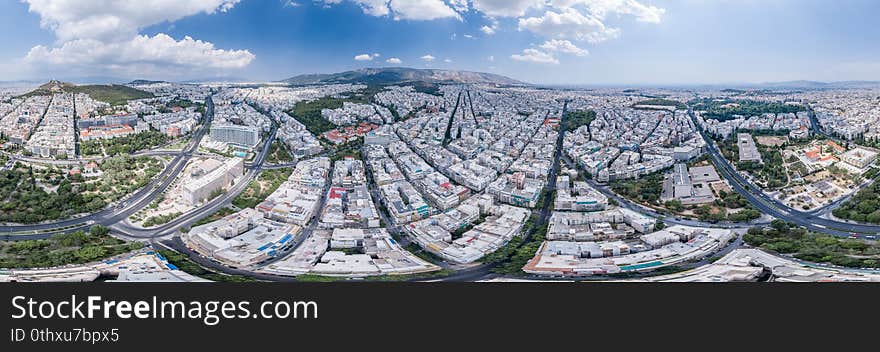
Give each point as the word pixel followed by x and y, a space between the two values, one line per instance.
pixel 99 230
pixel 674 205
pixel 779 225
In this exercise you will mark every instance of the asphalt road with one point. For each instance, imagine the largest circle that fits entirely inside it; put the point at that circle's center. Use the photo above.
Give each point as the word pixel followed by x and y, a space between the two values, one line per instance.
pixel 773 207
pixel 124 208
pixel 172 227
pixel 114 216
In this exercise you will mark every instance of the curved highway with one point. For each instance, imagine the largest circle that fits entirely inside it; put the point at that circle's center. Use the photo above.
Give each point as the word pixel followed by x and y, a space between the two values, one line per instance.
pixel 124 208
pixel 115 216
pixel 773 207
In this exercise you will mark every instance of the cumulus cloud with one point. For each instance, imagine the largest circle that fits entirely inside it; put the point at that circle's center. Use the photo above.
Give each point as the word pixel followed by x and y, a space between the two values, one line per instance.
pixel 422 10
pixel 428 58
pixel 418 10
pixel 602 8
pixel 536 56
pixel 564 46
pixel 459 5
pixel 109 20
pixel 159 50
pixel 370 7
pixel 491 28
pixel 364 57
pixel 579 20
pixel 569 24
pixel 506 8
pixel 394 61
pixel 98 36
pixel 546 53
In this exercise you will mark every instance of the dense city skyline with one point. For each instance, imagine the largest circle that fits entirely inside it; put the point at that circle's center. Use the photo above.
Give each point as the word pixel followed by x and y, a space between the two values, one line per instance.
pixel 537 41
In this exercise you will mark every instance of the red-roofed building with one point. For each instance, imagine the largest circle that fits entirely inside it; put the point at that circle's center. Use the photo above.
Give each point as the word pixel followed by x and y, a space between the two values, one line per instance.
pixel 336 192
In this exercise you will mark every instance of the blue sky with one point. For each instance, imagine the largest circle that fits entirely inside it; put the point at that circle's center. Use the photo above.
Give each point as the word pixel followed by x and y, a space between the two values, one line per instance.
pixel 540 41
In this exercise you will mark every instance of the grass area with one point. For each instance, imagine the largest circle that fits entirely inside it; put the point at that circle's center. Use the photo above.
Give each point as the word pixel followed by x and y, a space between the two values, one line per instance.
pixel 308 113
pixel 515 254
pixel 714 213
pixel 262 187
pixel 729 109
pixel 217 215
pixel 782 237
pixel 278 154
pixel 513 257
pixel 112 94
pixel 183 103
pixel 74 248
pixel 770 175
pixel 160 219
pixel 426 87
pixel 188 266
pixel 124 145
pixel 31 195
pixel 864 206
pixel 662 102
pixel 352 149
pixel 646 189
pixel 227 153
pixel 575 119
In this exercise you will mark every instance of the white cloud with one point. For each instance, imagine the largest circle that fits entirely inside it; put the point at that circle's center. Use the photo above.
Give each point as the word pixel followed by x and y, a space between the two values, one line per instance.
pixel 506 8
pixel 536 56
pixel 394 61
pixel 422 10
pixel 580 20
pixel 109 20
pixel 569 24
pixel 364 57
pixel 564 46
pixel 101 37
pixel 159 50
pixel 428 58
pixel 459 5
pixel 418 10
pixel 376 8
pixel 491 58
pixel 602 8
pixel 448 61
pixel 491 28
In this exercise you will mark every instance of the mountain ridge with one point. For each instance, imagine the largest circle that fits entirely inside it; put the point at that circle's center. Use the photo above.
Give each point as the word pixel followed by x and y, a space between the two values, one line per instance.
pixel 393 75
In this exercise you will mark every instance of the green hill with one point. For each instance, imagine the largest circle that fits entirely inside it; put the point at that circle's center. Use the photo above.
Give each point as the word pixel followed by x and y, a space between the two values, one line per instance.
pixel 113 94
